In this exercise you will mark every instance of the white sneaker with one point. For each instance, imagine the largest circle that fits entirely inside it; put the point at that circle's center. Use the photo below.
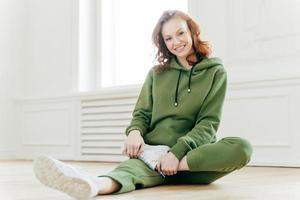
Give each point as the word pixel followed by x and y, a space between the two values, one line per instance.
pixel 152 154
pixel 66 178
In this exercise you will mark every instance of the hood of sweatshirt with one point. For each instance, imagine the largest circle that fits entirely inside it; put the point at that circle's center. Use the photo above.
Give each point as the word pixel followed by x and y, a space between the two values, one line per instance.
pixel 202 64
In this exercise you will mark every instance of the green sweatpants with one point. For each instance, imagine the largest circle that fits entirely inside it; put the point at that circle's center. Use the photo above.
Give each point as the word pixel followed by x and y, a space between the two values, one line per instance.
pixel 207 163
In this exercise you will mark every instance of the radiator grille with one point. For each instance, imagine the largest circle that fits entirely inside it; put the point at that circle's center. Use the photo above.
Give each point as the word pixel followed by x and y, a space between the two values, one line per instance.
pixel 102 127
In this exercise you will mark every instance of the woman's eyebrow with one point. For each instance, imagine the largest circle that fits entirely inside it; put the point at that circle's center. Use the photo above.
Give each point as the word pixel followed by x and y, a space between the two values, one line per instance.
pixel 175 32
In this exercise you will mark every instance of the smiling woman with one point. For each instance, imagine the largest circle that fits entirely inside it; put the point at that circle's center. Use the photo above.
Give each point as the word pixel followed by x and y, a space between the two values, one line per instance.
pixel 178 40
pixel 171 139
pixel 125 31
pixel 178 34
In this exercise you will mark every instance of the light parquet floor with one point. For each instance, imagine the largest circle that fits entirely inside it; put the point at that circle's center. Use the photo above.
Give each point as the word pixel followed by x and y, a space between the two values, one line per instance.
pixel 17 182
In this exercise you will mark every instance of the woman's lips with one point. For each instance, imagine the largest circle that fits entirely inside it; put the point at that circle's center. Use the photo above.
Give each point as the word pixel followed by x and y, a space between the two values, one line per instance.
pixel 179 49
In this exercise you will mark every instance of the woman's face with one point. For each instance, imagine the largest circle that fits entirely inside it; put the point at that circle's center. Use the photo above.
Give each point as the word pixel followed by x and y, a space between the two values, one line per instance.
pixel 177 37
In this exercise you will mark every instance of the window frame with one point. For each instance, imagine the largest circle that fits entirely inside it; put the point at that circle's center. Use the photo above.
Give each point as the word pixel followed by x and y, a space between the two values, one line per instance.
pixel 192 7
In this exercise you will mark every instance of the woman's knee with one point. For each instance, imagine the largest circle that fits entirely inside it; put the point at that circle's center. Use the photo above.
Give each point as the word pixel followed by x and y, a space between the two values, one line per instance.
pixel 241 147
pixel 244 147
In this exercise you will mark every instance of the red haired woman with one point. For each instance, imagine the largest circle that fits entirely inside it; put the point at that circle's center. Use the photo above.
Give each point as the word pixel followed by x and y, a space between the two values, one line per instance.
pixel 172 136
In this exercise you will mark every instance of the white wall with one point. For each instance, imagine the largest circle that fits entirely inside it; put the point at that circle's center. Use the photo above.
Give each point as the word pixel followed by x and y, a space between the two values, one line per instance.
pixel 11 66
pixel 259 42
pixel 39 59
pixel 50 50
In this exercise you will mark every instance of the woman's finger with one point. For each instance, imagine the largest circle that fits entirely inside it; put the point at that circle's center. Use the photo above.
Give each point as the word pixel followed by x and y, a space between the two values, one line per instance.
pixel 158 167
pixel 131 151
pixel 141 149
pixel 128 150
pixel 135 150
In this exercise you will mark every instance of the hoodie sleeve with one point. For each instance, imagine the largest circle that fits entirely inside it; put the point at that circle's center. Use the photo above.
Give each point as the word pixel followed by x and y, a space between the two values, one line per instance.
pixel 208 118
pixel 142 112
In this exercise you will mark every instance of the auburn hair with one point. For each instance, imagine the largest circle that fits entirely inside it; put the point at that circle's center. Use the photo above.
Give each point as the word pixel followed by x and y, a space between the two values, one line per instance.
pixel 163 55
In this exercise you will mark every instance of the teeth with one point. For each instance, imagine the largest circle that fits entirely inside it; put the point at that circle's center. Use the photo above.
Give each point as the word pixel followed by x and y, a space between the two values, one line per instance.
pixel 180 48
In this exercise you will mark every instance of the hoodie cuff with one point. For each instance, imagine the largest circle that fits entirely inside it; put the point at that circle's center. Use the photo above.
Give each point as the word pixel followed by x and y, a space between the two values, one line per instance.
pixel 180 149
pixel 131 128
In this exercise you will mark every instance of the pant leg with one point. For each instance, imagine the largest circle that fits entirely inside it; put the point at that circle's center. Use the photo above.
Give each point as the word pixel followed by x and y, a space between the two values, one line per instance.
pixel 134 174
pixel 210 162
pixel 227 154
pixel 188 177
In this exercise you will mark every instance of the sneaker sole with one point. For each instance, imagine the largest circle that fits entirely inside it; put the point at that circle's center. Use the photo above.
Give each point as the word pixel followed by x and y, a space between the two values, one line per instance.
pixel 49 174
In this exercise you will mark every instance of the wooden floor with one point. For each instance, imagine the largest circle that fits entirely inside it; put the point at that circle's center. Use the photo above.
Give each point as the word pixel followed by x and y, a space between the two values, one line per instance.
pixel 17 182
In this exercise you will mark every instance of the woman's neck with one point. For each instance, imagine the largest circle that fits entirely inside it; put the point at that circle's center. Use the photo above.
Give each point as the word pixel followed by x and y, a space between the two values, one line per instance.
pixel 184 62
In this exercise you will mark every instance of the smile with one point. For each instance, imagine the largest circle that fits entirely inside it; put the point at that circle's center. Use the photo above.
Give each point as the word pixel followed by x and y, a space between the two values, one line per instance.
pixel 179 48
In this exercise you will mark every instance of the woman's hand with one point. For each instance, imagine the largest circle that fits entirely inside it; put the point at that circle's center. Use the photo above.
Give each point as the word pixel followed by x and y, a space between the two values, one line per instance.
pixel 168 164
pixel 134 144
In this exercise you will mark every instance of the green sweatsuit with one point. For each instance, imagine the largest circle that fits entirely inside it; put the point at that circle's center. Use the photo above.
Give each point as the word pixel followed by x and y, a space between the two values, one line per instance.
pixel 182 108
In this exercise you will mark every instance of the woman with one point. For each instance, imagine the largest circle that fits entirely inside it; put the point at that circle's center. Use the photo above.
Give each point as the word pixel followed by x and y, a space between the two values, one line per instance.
pixel 174 124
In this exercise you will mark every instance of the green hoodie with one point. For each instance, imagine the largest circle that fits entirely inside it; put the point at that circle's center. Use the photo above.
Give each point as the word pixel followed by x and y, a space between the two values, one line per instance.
pixel 181 107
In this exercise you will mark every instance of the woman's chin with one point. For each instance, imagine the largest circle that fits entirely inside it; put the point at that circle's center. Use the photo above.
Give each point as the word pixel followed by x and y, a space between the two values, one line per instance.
pixel 181 55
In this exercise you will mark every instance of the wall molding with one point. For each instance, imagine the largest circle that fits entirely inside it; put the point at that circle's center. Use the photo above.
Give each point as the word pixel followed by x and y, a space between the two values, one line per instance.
pixel 6 154
pixel 279 92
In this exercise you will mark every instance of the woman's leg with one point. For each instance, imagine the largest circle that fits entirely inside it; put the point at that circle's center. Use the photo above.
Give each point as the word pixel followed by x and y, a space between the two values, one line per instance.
pixel 183 166
pixel 202 165
pixel 69 179
pixel 227 154
pixel 108 185
pixel 210 162
pixel 130 175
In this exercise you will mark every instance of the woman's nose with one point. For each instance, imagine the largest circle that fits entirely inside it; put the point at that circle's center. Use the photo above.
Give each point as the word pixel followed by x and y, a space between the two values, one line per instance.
pixel 176 41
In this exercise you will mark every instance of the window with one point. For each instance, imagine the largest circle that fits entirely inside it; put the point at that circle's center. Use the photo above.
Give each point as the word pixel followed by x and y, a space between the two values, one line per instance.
pixel 127 52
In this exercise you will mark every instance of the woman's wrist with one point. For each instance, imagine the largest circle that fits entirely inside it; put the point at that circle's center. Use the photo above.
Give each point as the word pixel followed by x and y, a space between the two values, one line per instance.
pixel 135 131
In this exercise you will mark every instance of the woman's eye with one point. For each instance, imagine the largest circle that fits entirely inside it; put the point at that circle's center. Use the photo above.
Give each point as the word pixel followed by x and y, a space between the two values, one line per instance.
pixel 181 33
pixel 167 39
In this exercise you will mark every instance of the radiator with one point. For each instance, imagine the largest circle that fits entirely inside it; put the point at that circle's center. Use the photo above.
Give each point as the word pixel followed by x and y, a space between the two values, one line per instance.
pixel 102 127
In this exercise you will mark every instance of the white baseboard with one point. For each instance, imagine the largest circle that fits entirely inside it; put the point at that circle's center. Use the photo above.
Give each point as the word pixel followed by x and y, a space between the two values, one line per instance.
pixel 274 164
pixel 7 154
